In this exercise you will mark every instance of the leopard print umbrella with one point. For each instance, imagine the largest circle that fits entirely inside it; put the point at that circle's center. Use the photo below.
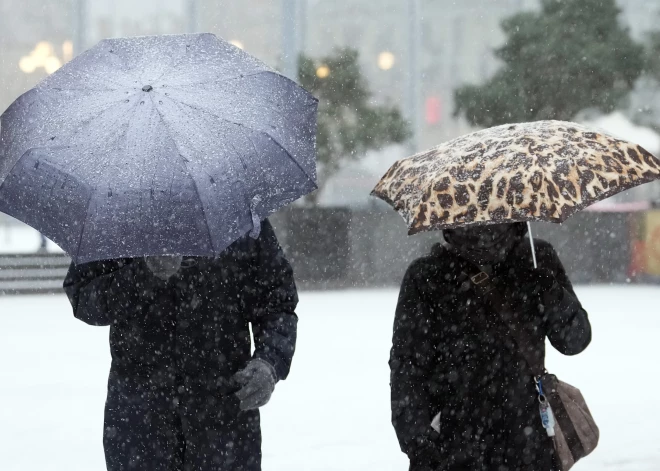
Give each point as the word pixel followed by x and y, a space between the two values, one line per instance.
pixel 539 171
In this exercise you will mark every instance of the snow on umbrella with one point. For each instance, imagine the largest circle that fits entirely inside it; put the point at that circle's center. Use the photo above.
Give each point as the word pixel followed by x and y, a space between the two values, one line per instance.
pixel 538 171
pixel 153 145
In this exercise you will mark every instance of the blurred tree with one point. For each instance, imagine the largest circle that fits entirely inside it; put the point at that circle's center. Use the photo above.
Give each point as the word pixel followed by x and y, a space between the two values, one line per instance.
pixel 348 124
pixel 570 56
pixel 653 55
pixel 647 111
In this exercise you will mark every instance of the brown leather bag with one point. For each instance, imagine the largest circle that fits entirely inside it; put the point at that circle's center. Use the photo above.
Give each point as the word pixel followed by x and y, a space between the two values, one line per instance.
pixel 576 433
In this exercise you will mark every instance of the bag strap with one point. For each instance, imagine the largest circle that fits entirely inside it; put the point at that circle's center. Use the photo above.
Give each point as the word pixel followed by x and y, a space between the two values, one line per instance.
pixel 484 286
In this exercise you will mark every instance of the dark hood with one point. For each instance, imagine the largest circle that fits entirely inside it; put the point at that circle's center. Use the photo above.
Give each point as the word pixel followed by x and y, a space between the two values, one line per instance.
pixel 487 244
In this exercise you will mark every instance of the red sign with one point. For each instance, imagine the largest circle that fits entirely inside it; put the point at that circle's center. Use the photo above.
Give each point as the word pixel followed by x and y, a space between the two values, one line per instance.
pixel 433 110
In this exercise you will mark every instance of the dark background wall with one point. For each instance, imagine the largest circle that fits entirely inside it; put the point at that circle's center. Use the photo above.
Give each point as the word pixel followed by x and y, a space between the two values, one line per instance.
pixel 335 248
pixel 342 248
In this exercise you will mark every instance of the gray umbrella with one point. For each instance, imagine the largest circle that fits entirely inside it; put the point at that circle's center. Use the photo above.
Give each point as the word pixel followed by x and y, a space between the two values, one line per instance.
pixel 156 145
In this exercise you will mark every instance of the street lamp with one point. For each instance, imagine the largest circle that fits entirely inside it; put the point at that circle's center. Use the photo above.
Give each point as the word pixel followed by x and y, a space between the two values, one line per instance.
pixel 51 64
pixel 43 55
pixel 67 51
pixel 237 43
pixel 323 72
pixel 27 65
pixel 42 50
pixel 386 60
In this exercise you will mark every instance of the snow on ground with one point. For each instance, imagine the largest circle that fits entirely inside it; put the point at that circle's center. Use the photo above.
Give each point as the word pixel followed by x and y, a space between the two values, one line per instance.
pixel 19 238
pixel 333 411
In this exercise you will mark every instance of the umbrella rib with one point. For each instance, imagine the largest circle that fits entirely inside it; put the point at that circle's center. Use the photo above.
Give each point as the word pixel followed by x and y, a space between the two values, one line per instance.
pixel 239 155
pixel 302 170
pixel 84 223
pixel 192 178
pixel 209 113
pixel 91 118
pixel 60 89
pixel 175 66
pixel 88 203
pixel 202 168
pixel 106 79
pixel 236 77
pixel 117 138
pixel 291 157
pixel 36 99
pixel 123 133
pixel 255 130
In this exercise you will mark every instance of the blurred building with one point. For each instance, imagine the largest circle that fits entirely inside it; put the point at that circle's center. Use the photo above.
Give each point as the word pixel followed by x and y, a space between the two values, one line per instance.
pixel 31 29
pixel 115 18
pixel 456 40
pixel 254 25
pixel 641 16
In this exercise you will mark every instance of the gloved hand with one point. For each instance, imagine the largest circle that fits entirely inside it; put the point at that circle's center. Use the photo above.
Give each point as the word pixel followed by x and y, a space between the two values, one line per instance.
pixel 164 266
pixel 426 455
pixel 549 290
pixel 258 379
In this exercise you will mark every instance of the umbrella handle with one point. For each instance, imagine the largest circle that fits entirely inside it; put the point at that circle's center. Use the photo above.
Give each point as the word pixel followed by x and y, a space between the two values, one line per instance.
pixel 531 242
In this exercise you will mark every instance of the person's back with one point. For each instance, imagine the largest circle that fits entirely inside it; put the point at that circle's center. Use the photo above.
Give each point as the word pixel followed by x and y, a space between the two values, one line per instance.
pixel 462 395
pixel 177 344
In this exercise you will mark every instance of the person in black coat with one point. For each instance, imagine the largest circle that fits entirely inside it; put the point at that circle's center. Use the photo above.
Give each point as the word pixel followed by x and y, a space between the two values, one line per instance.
pixel 463 397
pixel 184 390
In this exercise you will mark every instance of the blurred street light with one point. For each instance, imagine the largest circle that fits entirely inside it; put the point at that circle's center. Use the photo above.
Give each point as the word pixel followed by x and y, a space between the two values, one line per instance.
pixel 27 65
pixel 386 60
pixel 43 55
pixel 237 43
pixel 42 50
pixel 67 51
pixel 323 72
pixel 51 64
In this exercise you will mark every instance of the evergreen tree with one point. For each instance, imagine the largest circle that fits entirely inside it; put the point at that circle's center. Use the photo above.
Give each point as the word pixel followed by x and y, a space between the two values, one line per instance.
pixel 571 56
pixel 348 124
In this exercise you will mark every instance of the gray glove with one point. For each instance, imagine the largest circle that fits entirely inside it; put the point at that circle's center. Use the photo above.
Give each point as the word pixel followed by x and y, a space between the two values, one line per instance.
pixel 258 379
pixel 164 266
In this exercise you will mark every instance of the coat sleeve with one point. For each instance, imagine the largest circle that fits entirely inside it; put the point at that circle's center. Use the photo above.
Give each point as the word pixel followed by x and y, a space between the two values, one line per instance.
pixel 567 323
pixel 272 303
pixel 410 366
pixel 99 291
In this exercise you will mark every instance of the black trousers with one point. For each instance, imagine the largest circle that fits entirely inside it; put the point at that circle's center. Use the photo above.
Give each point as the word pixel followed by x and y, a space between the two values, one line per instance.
pixel 155 423
pixel 415 466
pixel 516 447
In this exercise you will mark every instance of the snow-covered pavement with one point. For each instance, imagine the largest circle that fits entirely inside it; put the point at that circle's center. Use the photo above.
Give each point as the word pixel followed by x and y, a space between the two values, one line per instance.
pixel 19 238
pixel 333 411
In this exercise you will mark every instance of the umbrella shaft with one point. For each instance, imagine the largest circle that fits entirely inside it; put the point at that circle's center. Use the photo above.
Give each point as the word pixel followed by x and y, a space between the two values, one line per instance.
pixel 531 242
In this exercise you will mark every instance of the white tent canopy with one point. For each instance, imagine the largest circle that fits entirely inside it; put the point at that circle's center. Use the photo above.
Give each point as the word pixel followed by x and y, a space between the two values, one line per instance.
pixel 617 125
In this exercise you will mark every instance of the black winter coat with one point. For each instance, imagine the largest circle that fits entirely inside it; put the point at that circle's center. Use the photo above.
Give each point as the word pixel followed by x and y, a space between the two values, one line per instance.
pixel 444 361
pixel 176 343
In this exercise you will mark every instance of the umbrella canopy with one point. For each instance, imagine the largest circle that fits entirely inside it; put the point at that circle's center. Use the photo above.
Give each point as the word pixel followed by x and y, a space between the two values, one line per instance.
pixel 539 171
pixel 156 145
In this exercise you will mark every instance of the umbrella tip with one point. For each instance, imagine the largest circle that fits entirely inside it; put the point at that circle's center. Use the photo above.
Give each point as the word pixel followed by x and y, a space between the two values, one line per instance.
pixel 147 88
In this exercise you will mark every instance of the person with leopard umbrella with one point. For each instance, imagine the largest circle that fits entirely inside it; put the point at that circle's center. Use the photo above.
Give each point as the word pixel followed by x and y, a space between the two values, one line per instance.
pixel 468 380
pixel 462 396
